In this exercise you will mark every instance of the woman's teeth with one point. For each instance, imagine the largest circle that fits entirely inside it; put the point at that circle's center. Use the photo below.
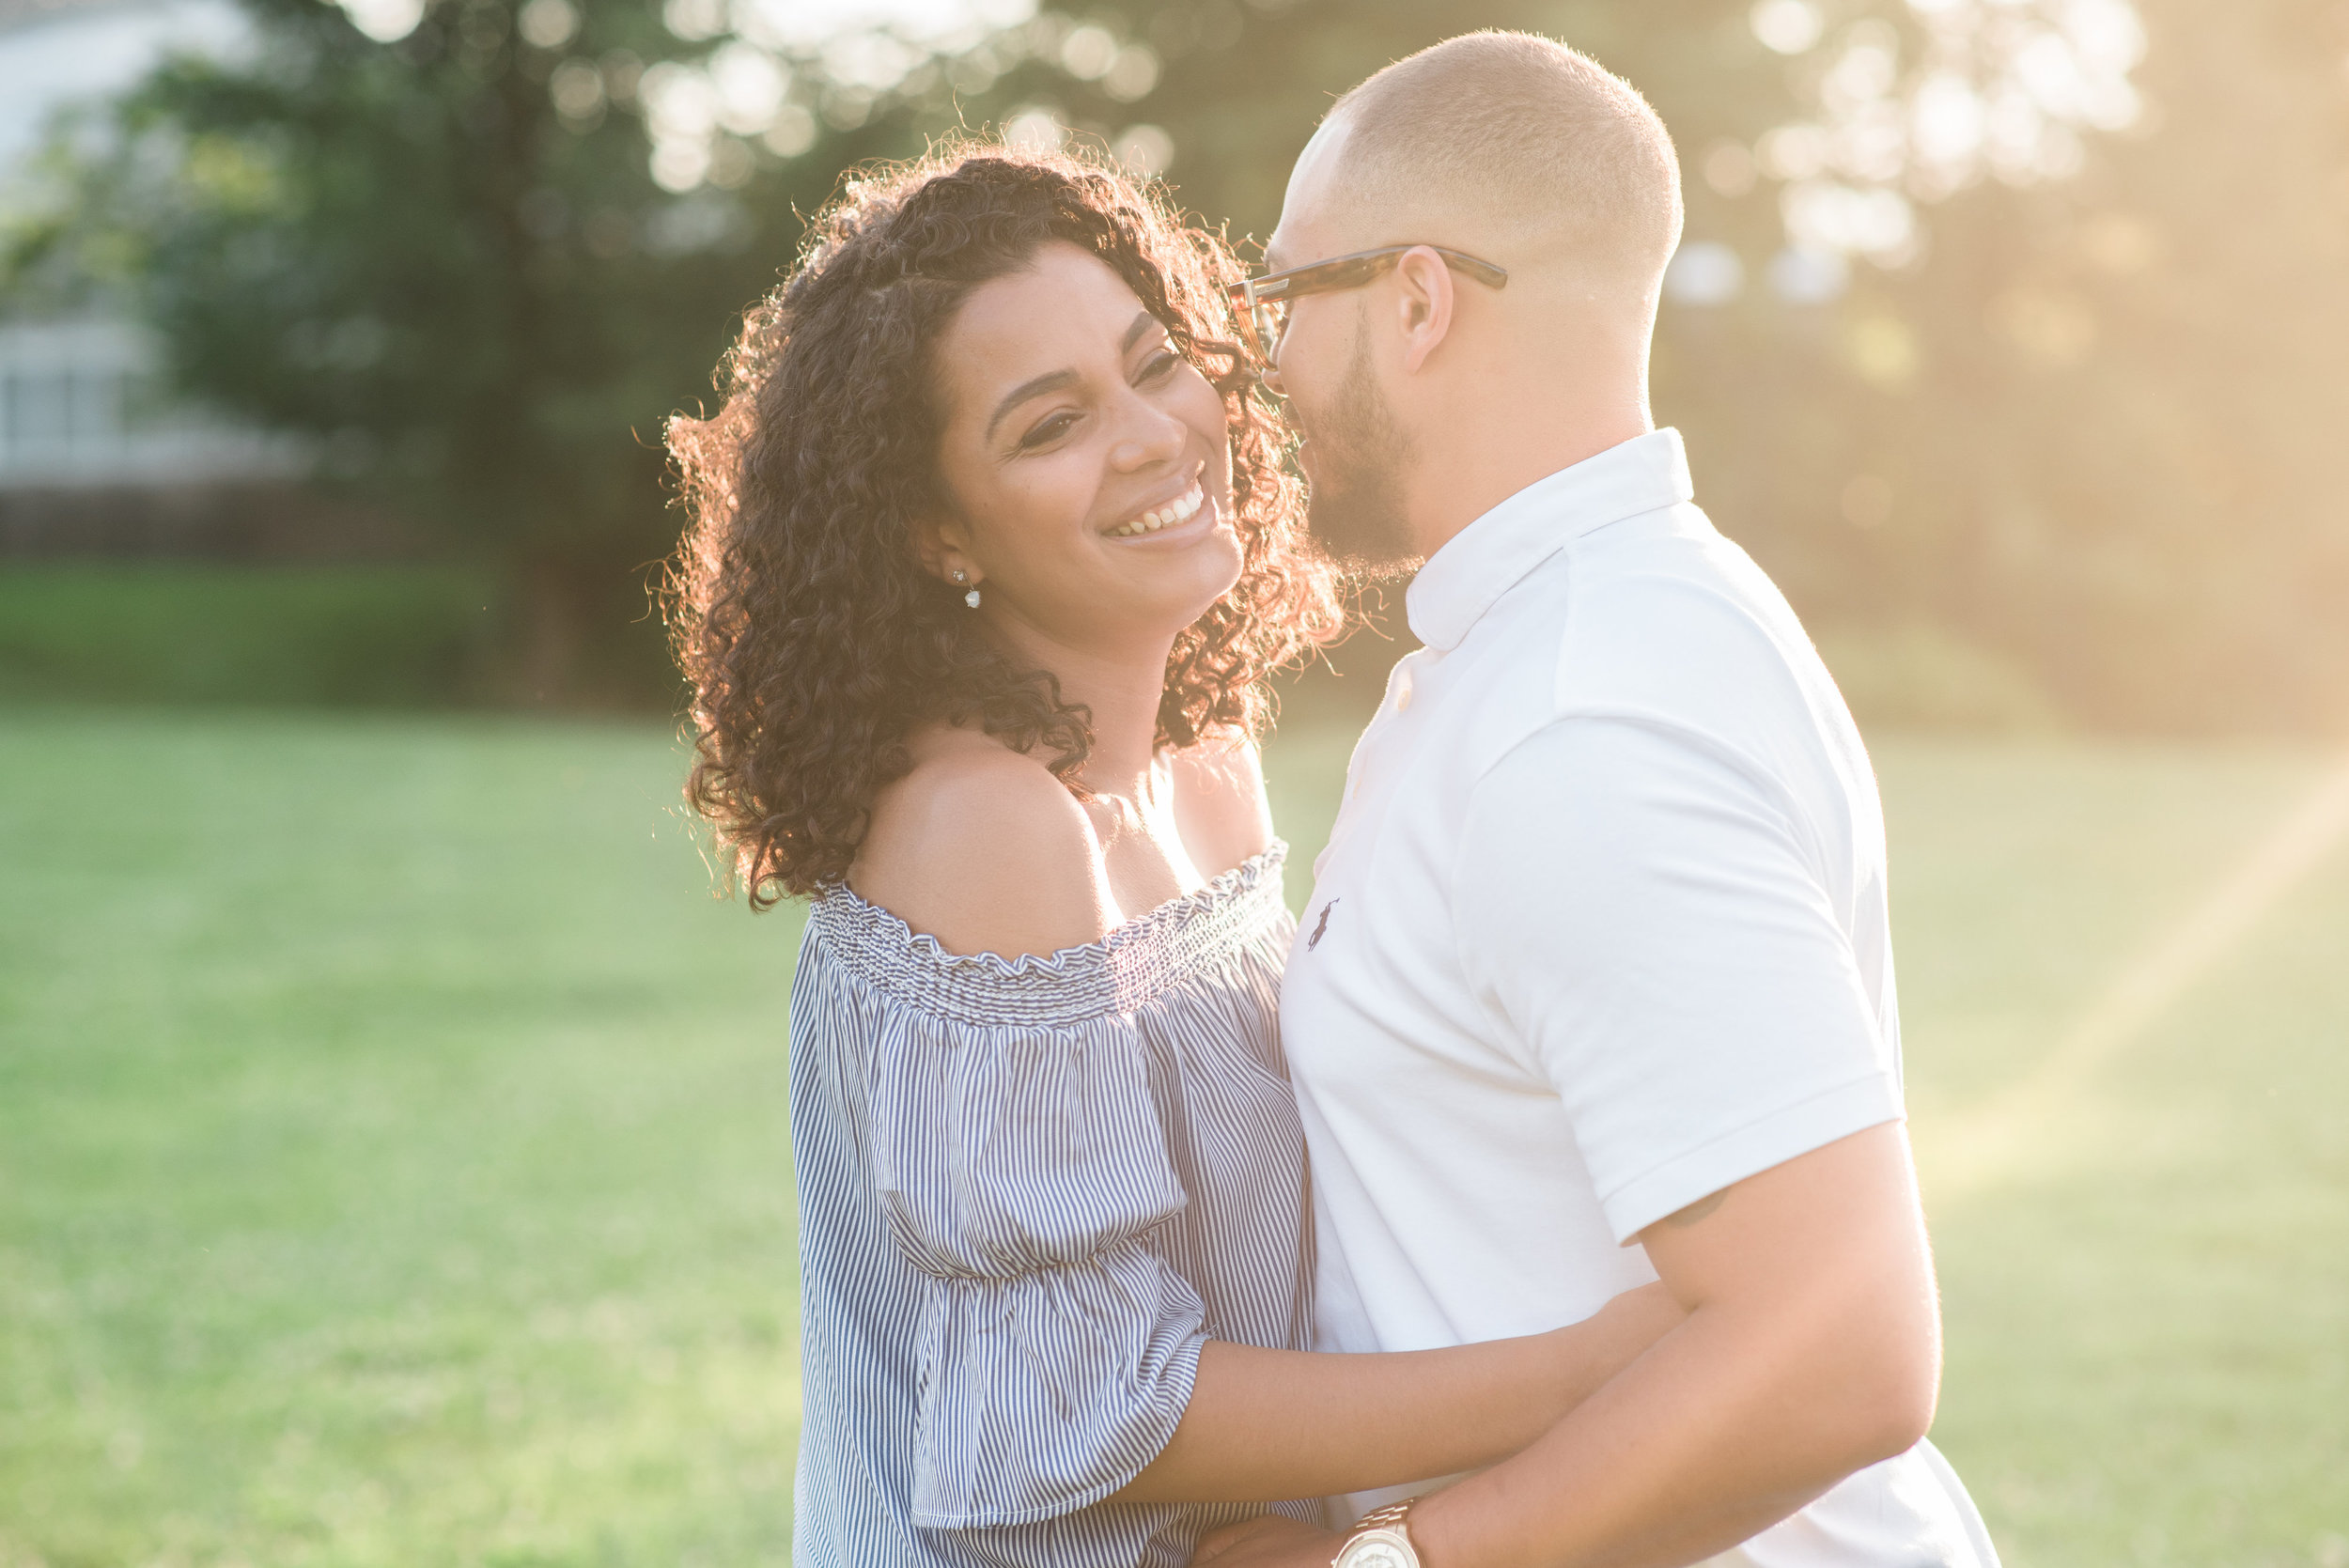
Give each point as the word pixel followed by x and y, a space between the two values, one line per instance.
pixel 1178 510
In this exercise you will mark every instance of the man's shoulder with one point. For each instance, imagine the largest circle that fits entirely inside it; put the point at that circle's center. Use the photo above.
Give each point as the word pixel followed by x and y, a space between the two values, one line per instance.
pixel 1662 622
pixel 1675 623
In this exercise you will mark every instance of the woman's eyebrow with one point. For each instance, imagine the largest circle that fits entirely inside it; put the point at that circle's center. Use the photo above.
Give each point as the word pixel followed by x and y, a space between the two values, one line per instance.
pixel 1050 382
pixel 1054 380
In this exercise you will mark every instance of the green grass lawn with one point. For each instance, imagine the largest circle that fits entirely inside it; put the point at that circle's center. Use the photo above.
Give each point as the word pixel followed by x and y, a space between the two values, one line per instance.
pixel 393 1165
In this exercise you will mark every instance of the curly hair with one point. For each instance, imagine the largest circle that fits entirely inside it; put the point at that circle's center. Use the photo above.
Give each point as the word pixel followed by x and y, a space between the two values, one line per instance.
pixel 813 638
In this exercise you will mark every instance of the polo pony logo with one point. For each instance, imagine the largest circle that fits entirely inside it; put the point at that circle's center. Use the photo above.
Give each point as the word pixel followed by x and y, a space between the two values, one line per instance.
pixel 1321 926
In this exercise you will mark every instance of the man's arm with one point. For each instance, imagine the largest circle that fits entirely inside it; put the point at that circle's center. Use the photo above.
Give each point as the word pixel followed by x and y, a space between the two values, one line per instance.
pixel 1812 1349
pixel 1647 907
pixel 1645 911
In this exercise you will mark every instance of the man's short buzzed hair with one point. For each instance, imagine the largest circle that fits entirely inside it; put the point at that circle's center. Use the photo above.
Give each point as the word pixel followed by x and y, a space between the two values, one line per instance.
pixel 1539 142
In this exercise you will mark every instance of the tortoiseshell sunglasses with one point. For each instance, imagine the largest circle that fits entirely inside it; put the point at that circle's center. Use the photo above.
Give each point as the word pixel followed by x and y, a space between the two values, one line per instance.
pixel 1263 303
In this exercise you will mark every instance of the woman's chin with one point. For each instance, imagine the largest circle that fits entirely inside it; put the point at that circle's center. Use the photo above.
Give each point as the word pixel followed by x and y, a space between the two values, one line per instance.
pixel 1178 596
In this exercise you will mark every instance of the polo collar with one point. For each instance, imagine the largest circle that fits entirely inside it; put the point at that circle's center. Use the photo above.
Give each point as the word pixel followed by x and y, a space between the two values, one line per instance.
pixel 1491 555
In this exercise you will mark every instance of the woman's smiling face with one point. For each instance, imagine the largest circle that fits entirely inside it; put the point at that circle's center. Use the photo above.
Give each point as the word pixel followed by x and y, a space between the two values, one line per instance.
pixel 1086 462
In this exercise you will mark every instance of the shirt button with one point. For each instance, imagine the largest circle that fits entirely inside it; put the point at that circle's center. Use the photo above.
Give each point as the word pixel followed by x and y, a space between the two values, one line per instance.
pixel 1402 689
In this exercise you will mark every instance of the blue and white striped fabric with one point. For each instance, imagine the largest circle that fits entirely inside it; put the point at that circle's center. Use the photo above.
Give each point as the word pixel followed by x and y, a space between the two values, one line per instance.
pixel 1030 1189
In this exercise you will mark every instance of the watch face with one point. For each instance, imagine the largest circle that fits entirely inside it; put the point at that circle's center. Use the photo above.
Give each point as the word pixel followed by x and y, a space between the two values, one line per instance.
pixel 1378 1549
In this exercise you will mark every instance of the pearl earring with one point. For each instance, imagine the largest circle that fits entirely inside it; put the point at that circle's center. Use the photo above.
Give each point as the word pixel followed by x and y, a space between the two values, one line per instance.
pixel 970 598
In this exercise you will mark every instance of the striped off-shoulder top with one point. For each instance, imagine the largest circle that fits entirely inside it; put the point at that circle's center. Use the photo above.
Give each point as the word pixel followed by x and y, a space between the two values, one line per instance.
pixel 1030 1189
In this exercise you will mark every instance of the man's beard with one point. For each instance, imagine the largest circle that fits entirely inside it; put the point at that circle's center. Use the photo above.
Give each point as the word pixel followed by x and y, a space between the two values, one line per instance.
pixel 1359 458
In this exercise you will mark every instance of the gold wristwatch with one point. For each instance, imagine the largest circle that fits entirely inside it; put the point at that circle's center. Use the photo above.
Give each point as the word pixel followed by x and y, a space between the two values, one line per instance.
pixel 1381 1539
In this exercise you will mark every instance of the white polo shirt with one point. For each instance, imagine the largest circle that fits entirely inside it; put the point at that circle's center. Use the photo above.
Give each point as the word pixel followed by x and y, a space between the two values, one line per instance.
pixel 1601 930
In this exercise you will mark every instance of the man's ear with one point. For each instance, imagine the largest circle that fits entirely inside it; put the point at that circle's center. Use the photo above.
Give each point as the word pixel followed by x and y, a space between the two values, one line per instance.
pixel 1423 306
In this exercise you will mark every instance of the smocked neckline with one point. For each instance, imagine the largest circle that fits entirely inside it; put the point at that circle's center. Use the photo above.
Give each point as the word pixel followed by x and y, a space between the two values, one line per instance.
pixel 1116 971
pixel 1172 913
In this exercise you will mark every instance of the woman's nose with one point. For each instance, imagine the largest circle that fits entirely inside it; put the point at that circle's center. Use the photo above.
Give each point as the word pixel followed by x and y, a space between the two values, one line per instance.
pixel 1151 436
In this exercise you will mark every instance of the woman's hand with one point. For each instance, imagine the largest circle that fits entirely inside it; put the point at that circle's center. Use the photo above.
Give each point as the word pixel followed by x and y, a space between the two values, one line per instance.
pixel 1267 1540
pixel 1593 1351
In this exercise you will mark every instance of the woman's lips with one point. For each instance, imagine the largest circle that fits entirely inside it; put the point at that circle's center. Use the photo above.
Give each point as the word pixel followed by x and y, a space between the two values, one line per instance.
pixel 1174 514
pixel 1205 518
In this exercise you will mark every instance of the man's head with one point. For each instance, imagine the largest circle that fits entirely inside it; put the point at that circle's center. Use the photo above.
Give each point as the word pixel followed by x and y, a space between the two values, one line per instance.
pixel 1521 152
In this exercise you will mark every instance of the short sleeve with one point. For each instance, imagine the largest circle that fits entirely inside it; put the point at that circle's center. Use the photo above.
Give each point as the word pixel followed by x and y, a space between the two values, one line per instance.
pixel 1020 1169
pixel 1647 918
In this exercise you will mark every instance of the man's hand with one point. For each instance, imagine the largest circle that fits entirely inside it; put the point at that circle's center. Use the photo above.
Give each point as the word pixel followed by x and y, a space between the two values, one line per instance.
pixel 1269 1540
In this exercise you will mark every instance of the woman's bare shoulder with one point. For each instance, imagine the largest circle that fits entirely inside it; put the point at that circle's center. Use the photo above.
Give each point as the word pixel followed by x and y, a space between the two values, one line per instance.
pixel 1219 801
pixel 983 849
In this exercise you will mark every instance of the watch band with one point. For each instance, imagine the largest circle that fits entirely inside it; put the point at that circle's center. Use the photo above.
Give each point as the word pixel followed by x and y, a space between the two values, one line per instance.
pixel 1381 1539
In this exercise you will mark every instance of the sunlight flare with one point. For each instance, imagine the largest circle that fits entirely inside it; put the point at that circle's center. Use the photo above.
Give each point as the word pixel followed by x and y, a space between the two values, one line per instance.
pixel 1981 1147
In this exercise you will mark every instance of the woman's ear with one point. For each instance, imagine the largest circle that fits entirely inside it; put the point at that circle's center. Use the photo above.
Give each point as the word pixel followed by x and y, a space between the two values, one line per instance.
pixel 943 546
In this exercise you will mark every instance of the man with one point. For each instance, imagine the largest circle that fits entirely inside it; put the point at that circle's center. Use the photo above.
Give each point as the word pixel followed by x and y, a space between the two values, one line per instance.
pixel 1596 983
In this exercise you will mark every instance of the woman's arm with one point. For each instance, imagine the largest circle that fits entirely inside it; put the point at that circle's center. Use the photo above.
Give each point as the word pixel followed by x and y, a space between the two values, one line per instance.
pixel 1267 1424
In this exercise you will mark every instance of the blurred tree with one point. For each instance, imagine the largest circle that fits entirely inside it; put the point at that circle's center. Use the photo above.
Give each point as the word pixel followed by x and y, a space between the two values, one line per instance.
pixel 431 239
pixel 2013 331
pixel 2084 419
pixel 2121 458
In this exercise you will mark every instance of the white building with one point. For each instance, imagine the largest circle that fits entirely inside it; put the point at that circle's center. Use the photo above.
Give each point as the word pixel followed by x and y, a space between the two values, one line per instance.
pixel 83 405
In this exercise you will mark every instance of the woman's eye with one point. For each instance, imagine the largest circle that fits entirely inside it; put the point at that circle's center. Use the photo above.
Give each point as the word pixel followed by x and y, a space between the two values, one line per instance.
pixel 1051 429
pixel 1159 363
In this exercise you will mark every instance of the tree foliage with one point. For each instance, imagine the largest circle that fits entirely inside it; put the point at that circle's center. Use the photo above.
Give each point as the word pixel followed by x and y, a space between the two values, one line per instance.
pixel 2004 341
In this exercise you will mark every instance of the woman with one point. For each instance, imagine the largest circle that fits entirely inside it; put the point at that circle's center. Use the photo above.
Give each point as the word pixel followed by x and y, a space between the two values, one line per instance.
pixel 990 555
